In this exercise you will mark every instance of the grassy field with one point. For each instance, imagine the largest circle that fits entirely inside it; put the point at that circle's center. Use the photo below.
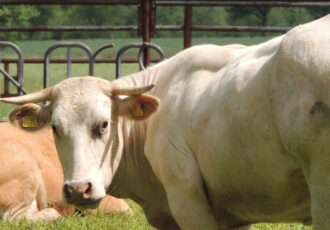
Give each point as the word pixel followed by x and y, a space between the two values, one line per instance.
pixel 33 81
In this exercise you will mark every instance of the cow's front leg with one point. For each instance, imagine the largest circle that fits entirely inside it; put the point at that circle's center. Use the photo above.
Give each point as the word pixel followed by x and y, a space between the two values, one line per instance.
pixel 188 201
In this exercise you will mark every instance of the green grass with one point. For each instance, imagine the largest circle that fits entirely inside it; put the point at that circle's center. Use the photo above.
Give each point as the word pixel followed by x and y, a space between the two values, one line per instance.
pixel 116 221
pixel 33 81
pixel 97 220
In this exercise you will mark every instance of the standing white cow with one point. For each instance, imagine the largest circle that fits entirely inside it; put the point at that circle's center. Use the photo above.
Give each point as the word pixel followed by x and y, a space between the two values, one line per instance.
pixel 240 136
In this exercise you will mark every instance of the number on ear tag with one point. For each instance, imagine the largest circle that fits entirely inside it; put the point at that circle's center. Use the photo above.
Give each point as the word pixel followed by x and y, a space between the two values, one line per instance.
pixel 29 122
pixel 138 111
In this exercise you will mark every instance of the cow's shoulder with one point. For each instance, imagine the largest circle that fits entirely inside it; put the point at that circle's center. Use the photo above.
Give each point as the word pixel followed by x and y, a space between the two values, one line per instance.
pixel 303 42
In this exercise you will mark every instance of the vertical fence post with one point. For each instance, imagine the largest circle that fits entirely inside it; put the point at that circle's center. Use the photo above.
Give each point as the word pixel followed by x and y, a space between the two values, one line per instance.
pixel 153 18
pixel 187 26
pixel 6 81
pixel 68 65
pixel 145 11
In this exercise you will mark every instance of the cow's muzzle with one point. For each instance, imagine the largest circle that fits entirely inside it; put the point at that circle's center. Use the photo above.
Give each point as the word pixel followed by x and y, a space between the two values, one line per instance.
pixel 78 193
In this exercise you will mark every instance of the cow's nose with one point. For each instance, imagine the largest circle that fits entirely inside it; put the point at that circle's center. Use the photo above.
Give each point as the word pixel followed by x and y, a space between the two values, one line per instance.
pixel 77 193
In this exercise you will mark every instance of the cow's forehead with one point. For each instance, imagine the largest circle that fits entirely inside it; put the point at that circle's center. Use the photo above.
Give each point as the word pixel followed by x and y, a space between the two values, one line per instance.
pixel 81 85
pixel 80 100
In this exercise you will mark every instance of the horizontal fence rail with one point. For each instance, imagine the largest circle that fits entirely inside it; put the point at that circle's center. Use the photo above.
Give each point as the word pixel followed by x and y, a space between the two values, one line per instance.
pixel 74 60
pixel 135 28
pixel 227 28
pixel 245 3
pixel 66 28
pixel 70 2
pixel 259 3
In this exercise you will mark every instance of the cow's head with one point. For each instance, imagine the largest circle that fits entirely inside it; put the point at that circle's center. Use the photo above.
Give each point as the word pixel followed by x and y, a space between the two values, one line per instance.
pixel 84 116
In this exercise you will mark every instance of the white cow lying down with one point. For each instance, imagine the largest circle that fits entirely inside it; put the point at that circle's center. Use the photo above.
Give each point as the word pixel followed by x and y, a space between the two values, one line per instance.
pixel 31 177
pixel 238 135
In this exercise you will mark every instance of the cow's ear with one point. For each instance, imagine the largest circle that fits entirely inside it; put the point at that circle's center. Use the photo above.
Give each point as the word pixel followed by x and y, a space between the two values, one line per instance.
pixel 138 107
pixel 30 116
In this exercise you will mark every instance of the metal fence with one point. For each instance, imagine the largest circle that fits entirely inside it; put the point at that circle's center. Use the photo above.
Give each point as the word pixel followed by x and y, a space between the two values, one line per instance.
pixel 91 60
pixel 146 27
pixel 18 79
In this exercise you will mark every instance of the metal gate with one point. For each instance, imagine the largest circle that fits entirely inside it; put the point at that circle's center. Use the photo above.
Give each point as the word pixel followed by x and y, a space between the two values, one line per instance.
pixel 17 81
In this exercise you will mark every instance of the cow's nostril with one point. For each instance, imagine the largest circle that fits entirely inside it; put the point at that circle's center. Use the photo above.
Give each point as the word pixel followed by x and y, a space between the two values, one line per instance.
pixel 78 192
pixel 88 191
pixel 67 191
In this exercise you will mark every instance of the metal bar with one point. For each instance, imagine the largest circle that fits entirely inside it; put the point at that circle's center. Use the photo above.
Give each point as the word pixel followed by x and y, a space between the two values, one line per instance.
pixel 146 7
pixel 6 81
pixel 20 61
pixel 121 53
pixel 152 18
pixel 69 2
pixel 320 3
pixel 12 80
pixel 20 81
pixel 139 18
pixel 241 28
pixel 178 28
pixel 244 3
pixel 169 27
pixel 108 46
pixel 152 46
pixel 187 26
pixel 68 65
pixel 122 50
pixel 225 28
pixel 67 28
pixel 111 45
pixel 66 44
pixel 74 60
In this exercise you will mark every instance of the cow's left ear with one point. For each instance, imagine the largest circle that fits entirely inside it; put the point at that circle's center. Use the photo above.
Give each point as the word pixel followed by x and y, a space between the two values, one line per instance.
pixel 30 116
pixel 138 107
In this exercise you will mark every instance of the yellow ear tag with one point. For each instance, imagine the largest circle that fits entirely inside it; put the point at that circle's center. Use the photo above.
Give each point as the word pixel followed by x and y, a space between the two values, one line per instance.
pixel 29 122
pixel 138 112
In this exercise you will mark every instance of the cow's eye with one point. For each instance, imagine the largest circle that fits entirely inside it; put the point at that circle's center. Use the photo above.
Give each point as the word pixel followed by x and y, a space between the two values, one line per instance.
pixel 104 125
pixel 100 128
pixel 54 129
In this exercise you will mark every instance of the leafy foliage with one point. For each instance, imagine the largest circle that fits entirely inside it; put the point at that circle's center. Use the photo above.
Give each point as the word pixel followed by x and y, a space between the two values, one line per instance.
pixel 16 15
pixel 34 15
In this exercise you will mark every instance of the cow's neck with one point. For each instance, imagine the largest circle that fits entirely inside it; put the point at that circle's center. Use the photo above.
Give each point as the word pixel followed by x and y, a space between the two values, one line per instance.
pixel 134 177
